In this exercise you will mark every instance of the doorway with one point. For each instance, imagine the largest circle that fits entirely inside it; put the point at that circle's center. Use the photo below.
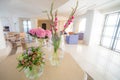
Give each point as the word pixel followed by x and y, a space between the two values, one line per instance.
pixel 44 26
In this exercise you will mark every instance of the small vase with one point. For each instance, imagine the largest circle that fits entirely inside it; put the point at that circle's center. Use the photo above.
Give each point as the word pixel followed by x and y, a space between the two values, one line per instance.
pixel 40 42
pixel 35 73
pixel 36 42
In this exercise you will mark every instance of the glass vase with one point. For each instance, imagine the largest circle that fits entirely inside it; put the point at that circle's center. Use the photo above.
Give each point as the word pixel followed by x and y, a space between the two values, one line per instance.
pixel 57 53
pixel 56 57
pixel 40 42
pixel 35 73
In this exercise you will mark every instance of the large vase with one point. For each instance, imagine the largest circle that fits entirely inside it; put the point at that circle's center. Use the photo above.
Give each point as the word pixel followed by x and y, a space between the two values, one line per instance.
pixel 35 73
pixel 57 52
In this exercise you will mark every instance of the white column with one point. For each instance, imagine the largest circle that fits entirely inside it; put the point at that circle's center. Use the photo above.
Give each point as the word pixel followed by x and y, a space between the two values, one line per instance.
pixel 2 39
pixel 89 22
pixel 97 26
pixel 94 25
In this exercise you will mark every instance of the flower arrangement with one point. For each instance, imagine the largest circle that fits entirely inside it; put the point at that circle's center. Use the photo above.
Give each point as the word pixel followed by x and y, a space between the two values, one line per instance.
pixel 56 37
pixel 32 62
pixel 31 57
pixel 53 19
pixel 40 33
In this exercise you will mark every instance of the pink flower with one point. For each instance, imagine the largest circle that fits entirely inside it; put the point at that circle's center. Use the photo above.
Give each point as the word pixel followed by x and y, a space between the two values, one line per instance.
pixel 69 23
pixel 72 17
pixel 55 23
pixel 65 26
pixel 32 31
pixel 48 33
pixel 40 33
pixel 56 29
pixel 56 19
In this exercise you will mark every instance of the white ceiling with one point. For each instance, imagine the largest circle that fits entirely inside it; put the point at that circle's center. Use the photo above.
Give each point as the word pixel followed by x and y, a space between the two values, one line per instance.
pixel 27 8
pixel 35 8
pixel 84 5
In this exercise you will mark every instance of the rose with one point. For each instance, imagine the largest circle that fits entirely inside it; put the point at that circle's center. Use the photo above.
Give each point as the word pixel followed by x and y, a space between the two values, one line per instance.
pixel 32 31
pixel 40 33
pixel 48 33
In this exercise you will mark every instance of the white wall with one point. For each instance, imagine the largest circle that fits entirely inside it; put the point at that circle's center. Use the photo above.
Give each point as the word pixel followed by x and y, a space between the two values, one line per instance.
pixel 12 22
pixel 33 23
pixel 93 28
pixel 96 28
pixel 15 23
pixel 76 23
pixel 2 39
pixel 89 22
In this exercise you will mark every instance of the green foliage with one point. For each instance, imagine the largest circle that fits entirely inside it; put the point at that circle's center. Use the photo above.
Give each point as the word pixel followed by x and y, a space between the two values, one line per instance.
pixel 56 42
pixel 30 57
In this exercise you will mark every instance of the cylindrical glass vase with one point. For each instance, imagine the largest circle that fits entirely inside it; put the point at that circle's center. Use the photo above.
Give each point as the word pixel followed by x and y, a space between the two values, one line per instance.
pixel 56 57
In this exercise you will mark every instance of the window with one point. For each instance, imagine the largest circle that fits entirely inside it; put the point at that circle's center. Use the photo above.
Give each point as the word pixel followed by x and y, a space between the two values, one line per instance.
pixel 26 25
pixel 111 32
pixel 82 25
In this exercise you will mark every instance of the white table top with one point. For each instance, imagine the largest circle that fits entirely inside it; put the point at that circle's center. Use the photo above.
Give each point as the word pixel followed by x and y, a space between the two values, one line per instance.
pixel 67 70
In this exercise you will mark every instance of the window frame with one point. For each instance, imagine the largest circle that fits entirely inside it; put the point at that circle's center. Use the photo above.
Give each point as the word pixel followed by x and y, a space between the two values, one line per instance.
pixel 115 35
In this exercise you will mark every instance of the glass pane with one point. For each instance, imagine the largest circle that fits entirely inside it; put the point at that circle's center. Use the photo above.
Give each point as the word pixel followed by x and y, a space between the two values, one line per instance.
pixel 106 42
pixel 112 19
pixel 24 23
pixel 25 26
pixel 29 24
pixel 118 45
pixel 108 31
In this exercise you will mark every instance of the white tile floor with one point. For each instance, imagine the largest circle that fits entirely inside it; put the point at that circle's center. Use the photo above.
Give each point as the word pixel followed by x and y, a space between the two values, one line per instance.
pixel 5 52
pixel 98 62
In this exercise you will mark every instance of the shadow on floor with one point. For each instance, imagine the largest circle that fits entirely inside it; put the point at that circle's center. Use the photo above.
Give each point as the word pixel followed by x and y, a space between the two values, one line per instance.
pixel 89 77
pixel 13 50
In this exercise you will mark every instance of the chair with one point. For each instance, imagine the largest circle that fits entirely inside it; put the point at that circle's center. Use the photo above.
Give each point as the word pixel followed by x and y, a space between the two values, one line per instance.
pixel 72 39
pixel 81 36
pixel 22 35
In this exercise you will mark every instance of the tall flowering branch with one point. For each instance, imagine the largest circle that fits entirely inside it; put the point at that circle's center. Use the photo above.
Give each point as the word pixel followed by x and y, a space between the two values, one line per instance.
pixel 71 17
pixel 54 20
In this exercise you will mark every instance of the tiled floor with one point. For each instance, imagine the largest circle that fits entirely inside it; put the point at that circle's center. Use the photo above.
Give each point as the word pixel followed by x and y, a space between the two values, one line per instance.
pixel 5 52
pixel 98 62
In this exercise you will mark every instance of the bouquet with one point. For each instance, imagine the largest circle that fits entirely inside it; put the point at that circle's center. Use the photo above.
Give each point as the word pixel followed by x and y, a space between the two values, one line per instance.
pixel 53 20
pixel 56 37
pixel 31 57
pixel 40 33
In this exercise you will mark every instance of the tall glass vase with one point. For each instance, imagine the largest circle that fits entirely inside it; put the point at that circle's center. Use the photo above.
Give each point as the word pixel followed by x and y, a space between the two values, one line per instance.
pixel 55 59
pixel 57 54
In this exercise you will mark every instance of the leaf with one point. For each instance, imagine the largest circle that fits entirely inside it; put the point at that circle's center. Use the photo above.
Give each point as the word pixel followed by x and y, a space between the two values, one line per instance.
pixel 30 67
